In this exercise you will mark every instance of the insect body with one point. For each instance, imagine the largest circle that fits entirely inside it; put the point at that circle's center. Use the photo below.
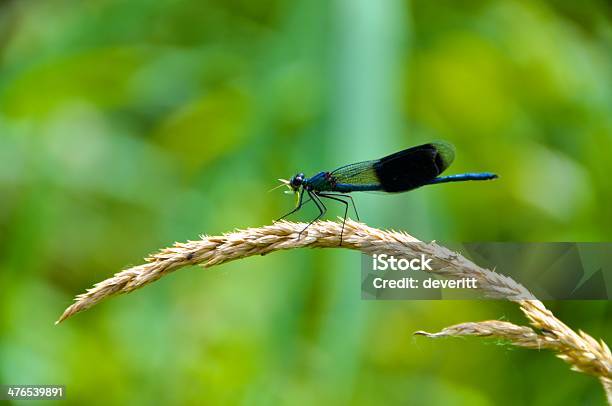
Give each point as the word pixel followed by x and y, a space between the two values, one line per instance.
pixel 400 172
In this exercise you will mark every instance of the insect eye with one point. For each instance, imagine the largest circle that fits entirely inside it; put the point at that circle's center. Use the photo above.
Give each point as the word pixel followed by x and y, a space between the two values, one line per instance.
pixel 297 180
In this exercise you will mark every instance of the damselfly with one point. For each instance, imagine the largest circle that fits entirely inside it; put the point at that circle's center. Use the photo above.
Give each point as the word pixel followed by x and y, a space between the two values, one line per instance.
pixel 400 172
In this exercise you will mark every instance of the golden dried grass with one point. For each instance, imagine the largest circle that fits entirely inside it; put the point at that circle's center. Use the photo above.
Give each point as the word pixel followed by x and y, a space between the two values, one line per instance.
pixel 581 351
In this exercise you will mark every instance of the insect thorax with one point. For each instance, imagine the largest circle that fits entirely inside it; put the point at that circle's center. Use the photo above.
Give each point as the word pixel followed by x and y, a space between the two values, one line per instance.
pixel 321 182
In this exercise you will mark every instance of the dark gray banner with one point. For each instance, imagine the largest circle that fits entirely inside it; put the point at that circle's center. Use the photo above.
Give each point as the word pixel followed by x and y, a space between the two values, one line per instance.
pixel 548 271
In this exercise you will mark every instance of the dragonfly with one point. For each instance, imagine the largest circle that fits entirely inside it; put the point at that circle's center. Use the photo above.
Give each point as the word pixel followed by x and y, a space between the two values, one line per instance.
pixel 399 172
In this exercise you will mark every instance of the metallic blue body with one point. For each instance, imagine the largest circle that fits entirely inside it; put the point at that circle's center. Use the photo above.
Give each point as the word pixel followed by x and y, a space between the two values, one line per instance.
pixel 325 182
pixel 463 177
pixel 319 182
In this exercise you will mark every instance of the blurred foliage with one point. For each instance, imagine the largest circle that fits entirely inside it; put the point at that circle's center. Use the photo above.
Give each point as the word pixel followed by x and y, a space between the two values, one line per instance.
pixel 126 126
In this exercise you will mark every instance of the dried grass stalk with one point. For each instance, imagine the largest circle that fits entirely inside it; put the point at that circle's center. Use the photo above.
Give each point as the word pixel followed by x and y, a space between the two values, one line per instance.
pixel 520 336
pixel 210 251
pixel 580 350
pixel 593 357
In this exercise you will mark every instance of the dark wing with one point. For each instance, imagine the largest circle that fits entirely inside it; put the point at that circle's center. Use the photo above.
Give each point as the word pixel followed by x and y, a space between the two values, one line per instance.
pixel 413 167
pixel 399 172
pixel 360 173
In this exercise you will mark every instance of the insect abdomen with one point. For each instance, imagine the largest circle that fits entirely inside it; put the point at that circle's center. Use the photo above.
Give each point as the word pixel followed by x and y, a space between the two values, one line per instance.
pixel 348 188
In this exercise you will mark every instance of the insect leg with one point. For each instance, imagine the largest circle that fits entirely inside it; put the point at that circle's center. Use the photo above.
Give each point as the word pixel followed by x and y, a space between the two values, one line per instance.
pixel 346 205
pixel 348 197
pixel 299 206
pixel 320 206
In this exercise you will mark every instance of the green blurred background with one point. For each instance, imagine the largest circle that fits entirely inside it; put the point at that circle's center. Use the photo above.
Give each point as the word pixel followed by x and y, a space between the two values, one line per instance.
pixel 126 126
